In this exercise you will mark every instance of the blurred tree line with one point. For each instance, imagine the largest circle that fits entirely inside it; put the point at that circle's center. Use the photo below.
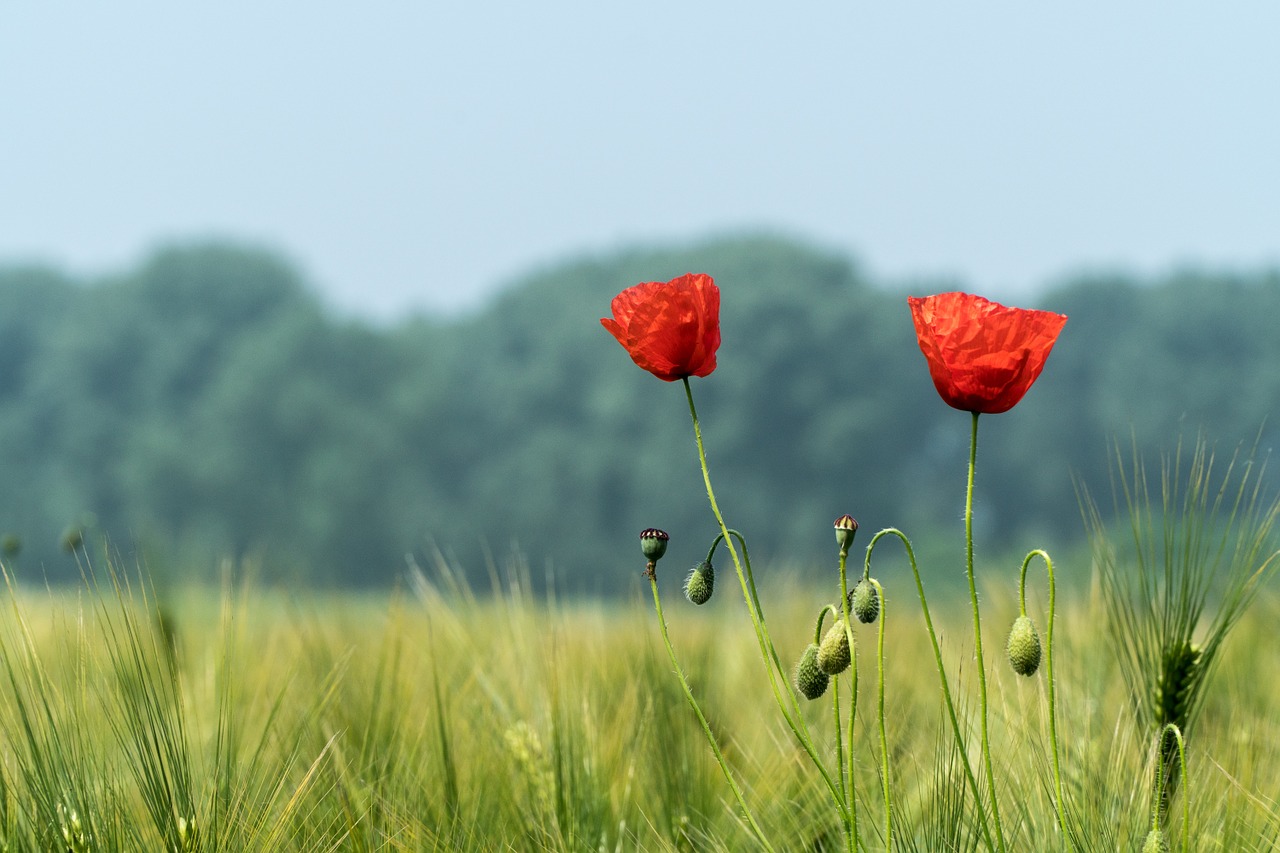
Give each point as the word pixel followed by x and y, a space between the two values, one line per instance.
pixel 208 405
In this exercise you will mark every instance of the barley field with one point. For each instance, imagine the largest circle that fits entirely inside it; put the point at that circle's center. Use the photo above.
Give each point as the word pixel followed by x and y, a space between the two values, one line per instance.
pixel 195 719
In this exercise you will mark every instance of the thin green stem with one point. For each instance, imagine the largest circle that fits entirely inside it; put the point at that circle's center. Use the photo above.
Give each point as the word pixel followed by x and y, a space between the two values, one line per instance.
pixel 884 738
pixel 962 749
pixel 817 625
pixel 706 728
pixel 1048 654
pixel 769 655
pixel 835 719
pixel 853 698
pixel 797 724
pixel 977 633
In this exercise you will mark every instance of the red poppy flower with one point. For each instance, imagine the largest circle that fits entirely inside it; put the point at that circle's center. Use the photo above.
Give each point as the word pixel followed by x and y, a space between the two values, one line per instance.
pixel 671 329
pixel 983 356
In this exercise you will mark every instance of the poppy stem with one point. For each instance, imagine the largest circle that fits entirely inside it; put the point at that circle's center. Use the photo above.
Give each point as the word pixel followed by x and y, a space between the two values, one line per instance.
pixel 962 748
pixel 977 632
pixel 706 728
pixel 848 771
pixel 1053 716
pixel 768 653
pixel 884 737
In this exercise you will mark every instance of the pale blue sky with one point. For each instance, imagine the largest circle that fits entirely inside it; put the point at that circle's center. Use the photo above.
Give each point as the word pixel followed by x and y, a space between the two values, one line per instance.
pixel 421 154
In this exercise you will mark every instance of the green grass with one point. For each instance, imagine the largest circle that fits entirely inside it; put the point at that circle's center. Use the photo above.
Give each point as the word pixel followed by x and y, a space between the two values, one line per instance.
pixel 249 719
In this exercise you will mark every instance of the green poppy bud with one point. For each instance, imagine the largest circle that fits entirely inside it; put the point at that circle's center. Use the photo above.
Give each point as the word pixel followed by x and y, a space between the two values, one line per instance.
pixel 846 529
pixel 700 583
pixel 1155 843
pixel 1024 647
pixel 833 654
pixel 811 681
pixel 653 543
pixel 864 602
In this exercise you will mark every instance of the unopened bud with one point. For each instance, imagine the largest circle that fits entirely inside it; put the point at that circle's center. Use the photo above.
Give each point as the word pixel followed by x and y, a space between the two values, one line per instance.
pixel 700 583
pixel 811 681
pixel 1024 647
pixel 864 601
pixel 833 654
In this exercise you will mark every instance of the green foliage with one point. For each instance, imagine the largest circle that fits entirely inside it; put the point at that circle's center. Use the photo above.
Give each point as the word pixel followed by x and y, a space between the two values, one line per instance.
pixel 1195 558
pixel 206 405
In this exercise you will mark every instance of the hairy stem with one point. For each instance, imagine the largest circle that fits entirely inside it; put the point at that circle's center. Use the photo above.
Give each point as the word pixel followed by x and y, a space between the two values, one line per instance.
pixel 977 633
pixel 1048 655
pixel 768 653
pixel 706 728
pixel 942 677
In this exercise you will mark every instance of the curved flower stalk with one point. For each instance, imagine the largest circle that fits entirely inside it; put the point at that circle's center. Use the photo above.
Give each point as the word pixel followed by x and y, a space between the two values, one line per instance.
pixel 778 680
pixel 884 737
pixel 1059 804
pixel 962 748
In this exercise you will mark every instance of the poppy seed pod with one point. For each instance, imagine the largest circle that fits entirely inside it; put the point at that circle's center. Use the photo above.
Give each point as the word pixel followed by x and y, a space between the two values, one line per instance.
pixel 834 655
pixel 811 681
pixel 846 529
pixel 1024 647
pixel 700 583
pixel 653 543
pixel 864 601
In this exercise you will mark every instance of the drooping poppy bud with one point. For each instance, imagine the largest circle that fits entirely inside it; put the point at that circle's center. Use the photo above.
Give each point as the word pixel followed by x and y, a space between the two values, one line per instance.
pixel 834 655
pixel 864 602
pixel 653 543
pixel 700 583
pixel 1024 647
pixel 811 681
pixel 846 529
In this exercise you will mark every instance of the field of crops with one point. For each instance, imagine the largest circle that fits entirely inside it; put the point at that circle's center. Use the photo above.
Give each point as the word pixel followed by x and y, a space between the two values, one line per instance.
pixel 247 719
